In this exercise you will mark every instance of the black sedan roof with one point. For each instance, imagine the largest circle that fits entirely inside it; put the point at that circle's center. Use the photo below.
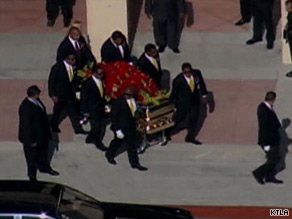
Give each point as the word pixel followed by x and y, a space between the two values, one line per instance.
pixel 28 197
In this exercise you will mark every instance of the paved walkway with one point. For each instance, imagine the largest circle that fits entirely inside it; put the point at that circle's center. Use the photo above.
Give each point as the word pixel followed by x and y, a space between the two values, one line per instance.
pixel 179 174
pixel 218 173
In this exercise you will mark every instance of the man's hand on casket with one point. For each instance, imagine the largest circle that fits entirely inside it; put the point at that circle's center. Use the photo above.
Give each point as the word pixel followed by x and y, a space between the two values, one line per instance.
pixel 55 99
pixel 107 108
pixel 120 134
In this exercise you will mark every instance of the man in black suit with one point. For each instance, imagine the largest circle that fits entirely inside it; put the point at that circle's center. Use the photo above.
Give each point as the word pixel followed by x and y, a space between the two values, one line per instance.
pixel 149 63
pixel 34 133
pixel 61 90
pixel 269 140
pixel 262 11
pixel 115 49
pixel 75 44
pixel 245 9
pixel 187 90
pixel 165 18
pixel 53 8
pixel 124 128
pixel 93 107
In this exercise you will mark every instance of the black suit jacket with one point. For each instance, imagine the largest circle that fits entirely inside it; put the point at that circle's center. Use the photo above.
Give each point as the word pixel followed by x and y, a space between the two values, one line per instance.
pixel 122 118
pixel 82 58
pixel 181 93
pixel 91 100
pixel 165 9
pixel 148 68
pixel 59 84
pixel 33 124
pixel 110 53
pixel 268 126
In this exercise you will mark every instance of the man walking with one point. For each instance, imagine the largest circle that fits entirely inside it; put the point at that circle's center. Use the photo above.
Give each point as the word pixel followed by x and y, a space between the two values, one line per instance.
pixel 61 91
pixel 53 8
pixel 75 44
pixel 245 10
pixel 115 48
pixel 262 11
pixel 188 88
pixel 124 127
pixel 165 15
pixel 34 134
pixel 269 140
pixel 149 63
pixel 93 107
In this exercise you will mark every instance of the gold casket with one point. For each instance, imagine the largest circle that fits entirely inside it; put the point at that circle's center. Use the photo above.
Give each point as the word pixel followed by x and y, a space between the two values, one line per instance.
pixel 153 118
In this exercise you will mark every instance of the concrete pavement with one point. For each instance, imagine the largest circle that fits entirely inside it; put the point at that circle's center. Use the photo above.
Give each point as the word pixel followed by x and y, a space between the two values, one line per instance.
pixel 218 173
pixel 179 174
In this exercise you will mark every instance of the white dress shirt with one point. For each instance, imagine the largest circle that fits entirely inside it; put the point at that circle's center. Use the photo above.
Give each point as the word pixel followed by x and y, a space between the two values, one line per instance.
pixel 70 71
pixel 268 105
pixel 99 84
pixel 153 61
pixel 189 80
pixel 120 47
pixel 74 42
pixel 133 103
pixel 36 102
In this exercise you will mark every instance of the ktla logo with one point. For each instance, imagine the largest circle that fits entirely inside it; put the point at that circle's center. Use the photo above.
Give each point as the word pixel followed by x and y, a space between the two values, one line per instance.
pixel 279 212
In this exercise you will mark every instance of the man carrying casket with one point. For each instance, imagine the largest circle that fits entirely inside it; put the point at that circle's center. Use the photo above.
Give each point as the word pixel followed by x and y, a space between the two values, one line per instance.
pixel 124 127
pixel 187 89
pixel 93 107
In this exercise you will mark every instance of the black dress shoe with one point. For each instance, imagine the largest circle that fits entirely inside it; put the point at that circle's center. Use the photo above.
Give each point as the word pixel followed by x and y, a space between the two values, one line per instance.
pixel 139 167
pixel 110 159
pixel 194 141
pixel 67 23
pixel 56 130
pixel 270 45
pixel 274 180
pixel 241 22
pixel 161 49
pixel 258 178
pixel 50 23
pixel 176 50
pixel 253 41
pixel 289 74
pixel 33 179
pixel 81 132
pixel 101 147
pixel 51 172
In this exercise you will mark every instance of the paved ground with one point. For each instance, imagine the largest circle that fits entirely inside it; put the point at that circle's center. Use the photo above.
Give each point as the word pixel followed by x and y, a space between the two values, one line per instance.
pixel 218 173
pixel 179 174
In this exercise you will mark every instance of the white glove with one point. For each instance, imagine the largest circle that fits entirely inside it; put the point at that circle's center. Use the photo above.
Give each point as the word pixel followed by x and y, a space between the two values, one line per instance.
pixel 267 148
pixel 120 134
pixel 107 109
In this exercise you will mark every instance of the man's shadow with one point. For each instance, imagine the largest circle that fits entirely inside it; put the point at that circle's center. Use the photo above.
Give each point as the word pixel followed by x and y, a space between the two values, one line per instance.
pixel 209 105
pixel 284 144
pixel 53 143
pixel 186 20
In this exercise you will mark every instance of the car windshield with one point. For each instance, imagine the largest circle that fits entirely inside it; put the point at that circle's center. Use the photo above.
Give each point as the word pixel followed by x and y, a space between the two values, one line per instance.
pixel 74 204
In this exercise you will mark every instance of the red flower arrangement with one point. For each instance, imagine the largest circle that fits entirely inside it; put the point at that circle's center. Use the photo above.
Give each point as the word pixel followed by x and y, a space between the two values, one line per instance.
pixel 120 75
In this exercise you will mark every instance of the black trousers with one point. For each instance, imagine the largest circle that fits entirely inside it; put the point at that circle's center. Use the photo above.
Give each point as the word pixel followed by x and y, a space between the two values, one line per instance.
pixel 71 108
pixel 36 158
pixel 268 169
pixel 98 127
pixel 53 8
pixel 130 142
pixel 186 118
pixel 165 32
pixel 263 20
pixel 290 47
pixel 245 9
